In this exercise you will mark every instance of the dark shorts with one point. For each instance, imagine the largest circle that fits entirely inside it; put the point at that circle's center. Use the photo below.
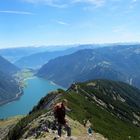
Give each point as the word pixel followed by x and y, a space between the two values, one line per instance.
pixel 62 121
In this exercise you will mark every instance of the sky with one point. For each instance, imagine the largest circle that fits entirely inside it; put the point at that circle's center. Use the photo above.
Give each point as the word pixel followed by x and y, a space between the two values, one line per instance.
pixel 57 22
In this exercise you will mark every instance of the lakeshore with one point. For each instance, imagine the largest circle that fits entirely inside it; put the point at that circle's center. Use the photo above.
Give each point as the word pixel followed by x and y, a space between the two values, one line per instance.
pixel 35 89
pixel 18 95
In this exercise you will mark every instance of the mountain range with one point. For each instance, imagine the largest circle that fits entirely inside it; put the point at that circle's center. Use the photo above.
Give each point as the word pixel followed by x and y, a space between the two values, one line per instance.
pixel 9 88
pixel 7 67
pixel 14 54
pixel 99 88
pixel 36 60
pixel 120 63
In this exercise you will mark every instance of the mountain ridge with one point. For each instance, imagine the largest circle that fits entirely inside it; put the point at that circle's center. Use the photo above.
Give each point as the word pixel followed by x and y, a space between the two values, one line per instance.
pixel 9 86
pixel 87 104
pixel 120 63
pixel 36 60
pixel 7 67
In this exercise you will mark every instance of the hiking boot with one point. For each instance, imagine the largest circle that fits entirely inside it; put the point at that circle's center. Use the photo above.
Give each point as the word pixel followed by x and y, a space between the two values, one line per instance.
pixel 56 138
pixel 70 138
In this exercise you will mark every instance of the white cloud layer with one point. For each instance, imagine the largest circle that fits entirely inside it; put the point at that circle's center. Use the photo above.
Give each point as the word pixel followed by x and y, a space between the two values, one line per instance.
pixel 65 3
pixel 16 12
pixel 97 3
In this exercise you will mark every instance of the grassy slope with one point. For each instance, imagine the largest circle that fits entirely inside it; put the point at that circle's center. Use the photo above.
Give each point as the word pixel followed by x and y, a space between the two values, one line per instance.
pixel 105 90
pixel 102 121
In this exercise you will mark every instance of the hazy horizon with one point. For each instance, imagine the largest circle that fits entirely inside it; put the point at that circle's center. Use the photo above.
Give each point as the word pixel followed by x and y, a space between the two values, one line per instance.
pixel 65 46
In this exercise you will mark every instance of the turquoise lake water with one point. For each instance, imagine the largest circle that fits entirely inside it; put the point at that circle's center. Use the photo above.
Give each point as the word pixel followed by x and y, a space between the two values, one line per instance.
pixel 36 88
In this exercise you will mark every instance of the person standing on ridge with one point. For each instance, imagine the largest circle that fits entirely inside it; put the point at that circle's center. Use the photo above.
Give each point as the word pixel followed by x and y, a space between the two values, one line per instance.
pixel 89 128
pixel 59 114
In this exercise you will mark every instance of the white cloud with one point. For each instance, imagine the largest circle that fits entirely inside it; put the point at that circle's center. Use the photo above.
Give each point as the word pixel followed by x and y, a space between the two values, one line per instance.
pixel 16 12
pixel 97 3
pixel 62 22
pixel 124 33
pixel 133 1
pixel 118 29
pixel 53 3
pixel 132 5
pixel 65 3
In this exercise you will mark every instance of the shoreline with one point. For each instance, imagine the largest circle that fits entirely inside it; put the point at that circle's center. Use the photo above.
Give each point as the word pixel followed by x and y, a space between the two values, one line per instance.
pixel 18 95
pixel 54 84
pixel 51 82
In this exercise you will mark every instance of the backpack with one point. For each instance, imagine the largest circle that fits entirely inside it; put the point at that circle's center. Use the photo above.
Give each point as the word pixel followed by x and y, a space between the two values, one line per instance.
pixel 59 112
pixel 56 108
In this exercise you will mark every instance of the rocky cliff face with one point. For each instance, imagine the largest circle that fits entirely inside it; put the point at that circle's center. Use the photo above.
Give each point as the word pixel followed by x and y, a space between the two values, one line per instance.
pixel 7 125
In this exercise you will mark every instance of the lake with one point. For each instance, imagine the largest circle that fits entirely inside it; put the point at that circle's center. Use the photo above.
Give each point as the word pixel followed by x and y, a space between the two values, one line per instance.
pixel 34 90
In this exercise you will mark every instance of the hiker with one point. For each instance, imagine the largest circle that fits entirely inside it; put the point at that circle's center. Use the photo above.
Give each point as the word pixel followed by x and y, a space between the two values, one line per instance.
pixel 59 114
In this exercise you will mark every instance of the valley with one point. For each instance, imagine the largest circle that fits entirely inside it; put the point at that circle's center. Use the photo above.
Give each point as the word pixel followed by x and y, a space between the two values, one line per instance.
pixel 69 70
pixel 99 83
pixel 33 88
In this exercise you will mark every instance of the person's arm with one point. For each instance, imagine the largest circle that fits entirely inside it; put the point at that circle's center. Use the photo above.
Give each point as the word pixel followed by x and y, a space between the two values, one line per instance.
pixel 67 109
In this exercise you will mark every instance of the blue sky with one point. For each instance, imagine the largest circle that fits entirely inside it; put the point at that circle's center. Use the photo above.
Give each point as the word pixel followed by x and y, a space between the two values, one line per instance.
pixel 51 22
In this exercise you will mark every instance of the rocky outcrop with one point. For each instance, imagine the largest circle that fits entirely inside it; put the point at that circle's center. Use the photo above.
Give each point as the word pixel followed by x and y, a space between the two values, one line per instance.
pixel 44 128
pixel 7 124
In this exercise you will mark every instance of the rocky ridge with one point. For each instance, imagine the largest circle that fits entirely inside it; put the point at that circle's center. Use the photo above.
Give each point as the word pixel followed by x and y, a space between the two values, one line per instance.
pixel 112 107
pixel 41 128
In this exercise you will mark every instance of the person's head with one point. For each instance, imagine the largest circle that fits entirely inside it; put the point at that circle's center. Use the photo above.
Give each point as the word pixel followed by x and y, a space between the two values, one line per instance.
pixel 65 102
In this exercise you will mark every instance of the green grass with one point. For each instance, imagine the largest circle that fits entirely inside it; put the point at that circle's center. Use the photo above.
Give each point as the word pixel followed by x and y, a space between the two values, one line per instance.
pixel 102 121
pixel 83 107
